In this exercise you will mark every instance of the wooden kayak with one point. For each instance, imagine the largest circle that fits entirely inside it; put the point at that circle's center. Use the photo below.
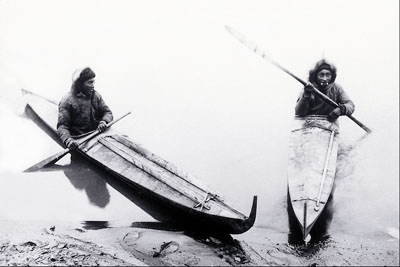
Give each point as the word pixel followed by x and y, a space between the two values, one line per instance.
pixel 183 198
pixel 313 149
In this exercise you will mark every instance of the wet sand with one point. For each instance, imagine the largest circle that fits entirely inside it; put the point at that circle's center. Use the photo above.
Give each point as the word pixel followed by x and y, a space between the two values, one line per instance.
pixel 339 250
pixel 62 244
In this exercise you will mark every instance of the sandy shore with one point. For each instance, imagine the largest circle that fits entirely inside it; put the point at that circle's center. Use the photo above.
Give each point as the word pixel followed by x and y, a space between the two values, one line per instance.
pixel 24 243
pixel 340 250
pixel 60 244
pixel 55 244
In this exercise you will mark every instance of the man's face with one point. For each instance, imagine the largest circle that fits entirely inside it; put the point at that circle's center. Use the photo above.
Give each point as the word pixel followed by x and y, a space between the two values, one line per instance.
pixel 88 86
pixel 324 77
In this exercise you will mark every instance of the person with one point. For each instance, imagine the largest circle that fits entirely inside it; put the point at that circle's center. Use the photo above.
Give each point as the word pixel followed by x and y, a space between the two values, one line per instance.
pixel 323 77
pixel 82 109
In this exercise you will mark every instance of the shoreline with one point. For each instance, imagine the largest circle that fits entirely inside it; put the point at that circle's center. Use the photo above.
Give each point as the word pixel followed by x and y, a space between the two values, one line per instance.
pixel 66 244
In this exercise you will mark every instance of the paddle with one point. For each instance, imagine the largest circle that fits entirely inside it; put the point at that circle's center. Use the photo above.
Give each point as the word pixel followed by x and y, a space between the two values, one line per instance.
pixel 59 155
pixel 258 51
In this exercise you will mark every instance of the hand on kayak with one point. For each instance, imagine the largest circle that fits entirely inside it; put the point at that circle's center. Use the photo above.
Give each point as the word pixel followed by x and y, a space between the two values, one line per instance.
pixel 102 126
pixel 71 144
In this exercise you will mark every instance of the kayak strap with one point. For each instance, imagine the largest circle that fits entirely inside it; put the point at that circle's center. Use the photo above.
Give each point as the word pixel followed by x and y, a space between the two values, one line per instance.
pixel 202 204
pixel 304 198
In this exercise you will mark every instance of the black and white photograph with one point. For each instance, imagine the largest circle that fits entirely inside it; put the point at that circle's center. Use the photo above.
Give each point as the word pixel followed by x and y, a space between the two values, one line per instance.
pixel 199 133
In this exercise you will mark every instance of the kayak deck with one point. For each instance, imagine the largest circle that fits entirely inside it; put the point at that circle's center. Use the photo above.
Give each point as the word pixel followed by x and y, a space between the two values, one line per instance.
pixel 312 163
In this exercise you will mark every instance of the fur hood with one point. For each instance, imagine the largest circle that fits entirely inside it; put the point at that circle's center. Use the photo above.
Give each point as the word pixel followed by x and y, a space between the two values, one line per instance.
pixel 322 64
pixel 79 77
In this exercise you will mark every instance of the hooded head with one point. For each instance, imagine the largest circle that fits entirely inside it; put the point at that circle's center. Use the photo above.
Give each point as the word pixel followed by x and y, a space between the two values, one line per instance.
pixel 79 79
pixel 322 65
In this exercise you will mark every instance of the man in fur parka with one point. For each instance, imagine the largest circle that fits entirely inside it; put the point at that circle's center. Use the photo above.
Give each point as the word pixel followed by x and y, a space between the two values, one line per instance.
pixel 82 110
pixel 323 77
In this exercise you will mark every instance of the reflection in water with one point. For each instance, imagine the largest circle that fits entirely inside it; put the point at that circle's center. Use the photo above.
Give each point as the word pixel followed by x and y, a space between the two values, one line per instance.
pixel 158 226
pixel 310 250
pixel 83 178
pixel 95 225
pixel 319 232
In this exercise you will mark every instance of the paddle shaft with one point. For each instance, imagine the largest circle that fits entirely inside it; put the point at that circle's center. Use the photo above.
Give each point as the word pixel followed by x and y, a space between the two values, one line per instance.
pixel 58 156
pixel 256 49
pixel 96 132
pixel 327 158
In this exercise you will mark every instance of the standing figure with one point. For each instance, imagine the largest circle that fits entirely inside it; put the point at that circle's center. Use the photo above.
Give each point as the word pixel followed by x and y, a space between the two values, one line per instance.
pixel 322 77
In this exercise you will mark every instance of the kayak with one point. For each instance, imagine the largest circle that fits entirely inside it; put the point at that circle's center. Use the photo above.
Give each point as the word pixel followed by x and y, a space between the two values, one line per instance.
pixel 313 150
pixel 179 197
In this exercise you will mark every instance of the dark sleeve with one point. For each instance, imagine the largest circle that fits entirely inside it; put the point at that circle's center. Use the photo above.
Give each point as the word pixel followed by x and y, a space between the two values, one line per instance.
pixel 104 110
pixel 64 120
pixel 345 100
pixel 303 104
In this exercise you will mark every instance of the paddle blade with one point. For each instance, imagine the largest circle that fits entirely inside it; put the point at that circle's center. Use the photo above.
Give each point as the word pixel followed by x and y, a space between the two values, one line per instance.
pixel 48 161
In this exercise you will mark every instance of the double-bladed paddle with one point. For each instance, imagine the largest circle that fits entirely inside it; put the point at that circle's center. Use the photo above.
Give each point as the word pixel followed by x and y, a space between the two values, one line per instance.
pixel 259 52
pixel 59 155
